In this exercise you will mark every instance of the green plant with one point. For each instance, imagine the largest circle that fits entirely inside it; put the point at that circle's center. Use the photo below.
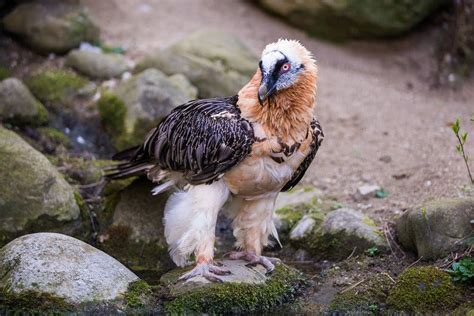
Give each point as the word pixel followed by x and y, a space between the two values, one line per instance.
pixel 463 270
pixel 372 251
pixel 462 138
pixel 373 308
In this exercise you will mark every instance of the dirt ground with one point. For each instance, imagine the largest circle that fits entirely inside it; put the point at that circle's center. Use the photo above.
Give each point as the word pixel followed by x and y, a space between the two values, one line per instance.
pixel 382 120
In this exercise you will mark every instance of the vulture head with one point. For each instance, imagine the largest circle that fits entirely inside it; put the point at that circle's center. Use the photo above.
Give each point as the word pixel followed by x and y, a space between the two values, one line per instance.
pixel 284 64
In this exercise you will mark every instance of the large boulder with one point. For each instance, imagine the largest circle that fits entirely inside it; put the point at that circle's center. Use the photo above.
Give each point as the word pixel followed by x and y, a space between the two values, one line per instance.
pixel 64 268
pixel 436 228
pixel 18 105
pixel 340 233
pixel 139 103
pixel 136 234
pixel 217 63
pixel 34 196
pixel 50 26
pixel 353 18
pixel 245 291
pixel 97 64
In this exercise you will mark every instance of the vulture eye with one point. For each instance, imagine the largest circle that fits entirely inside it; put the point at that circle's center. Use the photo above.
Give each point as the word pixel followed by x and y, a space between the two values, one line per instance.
pixel 285 67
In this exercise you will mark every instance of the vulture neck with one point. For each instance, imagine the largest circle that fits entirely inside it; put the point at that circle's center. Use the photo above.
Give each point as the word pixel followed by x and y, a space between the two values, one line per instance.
pixel 287 114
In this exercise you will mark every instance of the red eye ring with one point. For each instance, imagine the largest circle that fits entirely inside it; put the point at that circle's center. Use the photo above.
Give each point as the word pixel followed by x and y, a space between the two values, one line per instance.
pixel 286 67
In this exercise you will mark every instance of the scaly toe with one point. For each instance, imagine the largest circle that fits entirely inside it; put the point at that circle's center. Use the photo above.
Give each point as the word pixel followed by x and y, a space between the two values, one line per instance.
pixel 218 270
pixel 205 270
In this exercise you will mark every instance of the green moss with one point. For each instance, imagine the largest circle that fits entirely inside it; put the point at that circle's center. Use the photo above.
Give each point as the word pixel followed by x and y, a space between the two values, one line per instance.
pixel 291 214
pixel 239 298
pixel 424 289
pixel 365 297
pixel 55 136
pixel 112 112
pixel 4 73
pixel 33 302
pixel 55 85
pixel 138 294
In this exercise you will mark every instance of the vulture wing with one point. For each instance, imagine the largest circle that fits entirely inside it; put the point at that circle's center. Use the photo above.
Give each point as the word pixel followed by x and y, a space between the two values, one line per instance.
pixel 202 139
pixel 318 136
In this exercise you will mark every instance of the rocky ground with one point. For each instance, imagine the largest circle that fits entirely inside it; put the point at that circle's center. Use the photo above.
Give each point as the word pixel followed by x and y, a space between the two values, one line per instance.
pixel 381 215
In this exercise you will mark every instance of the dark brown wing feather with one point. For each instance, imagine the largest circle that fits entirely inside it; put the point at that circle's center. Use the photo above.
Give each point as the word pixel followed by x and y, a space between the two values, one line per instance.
pixel 318 136
pixel 202 139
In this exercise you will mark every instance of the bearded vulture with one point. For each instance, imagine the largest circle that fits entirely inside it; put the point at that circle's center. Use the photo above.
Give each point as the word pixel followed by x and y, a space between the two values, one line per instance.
pixel 247 147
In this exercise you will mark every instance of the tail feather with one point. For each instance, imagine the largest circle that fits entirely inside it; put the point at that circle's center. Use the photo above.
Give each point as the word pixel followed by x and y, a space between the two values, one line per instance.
pixel 134 163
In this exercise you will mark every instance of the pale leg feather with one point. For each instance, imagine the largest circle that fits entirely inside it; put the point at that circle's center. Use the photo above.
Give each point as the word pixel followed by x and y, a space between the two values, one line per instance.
pixel 190 221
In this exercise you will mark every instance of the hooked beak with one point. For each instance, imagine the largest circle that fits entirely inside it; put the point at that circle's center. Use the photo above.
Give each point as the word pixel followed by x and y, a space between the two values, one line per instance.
pixel 266 89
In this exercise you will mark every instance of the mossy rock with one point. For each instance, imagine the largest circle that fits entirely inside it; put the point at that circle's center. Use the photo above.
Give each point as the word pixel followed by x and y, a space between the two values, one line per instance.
pixel 137 105
pixel 4 73
pixel 46 202
pixel 291 206
pixel 345 19
pixel 55 87
pixel 423 290
pixel 51 27
pixel 437 227
pixel 82 171
pixel 32 302
pixel 97 64
pixel 18 106
pixel 368 297
pixel 235 297
pixel 217 63
pixel 135 232
pixel 340 233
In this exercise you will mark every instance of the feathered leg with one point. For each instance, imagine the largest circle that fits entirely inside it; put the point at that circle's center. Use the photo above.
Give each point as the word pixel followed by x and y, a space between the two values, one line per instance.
pixel 253 223
pixel 190 221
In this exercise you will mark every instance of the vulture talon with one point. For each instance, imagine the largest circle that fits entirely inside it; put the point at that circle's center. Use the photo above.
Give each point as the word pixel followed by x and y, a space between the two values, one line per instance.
pixel 267 262
pixel 206 270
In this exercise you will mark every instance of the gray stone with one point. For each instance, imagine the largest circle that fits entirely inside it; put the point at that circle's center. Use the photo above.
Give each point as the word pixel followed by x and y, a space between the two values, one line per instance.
pixel 64 267
pixel 240 273
pixel 353 18
pixel 366 191
pixel 19 106
pixel 96 64
pixel 292 206
pixel 34 196
pixel 436 228
pixel 50 26
pixel 303 228
pixel 217 63
pixel 148 97
pixel 342 232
